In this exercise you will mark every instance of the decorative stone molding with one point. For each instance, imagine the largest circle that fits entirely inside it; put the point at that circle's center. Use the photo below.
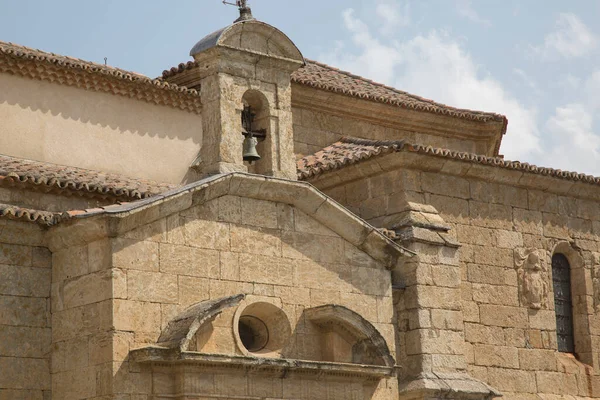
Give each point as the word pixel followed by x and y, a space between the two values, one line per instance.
pixel 275 367
pixel 532 272
pixel 362 331
pixel 89 225
pixel 181 330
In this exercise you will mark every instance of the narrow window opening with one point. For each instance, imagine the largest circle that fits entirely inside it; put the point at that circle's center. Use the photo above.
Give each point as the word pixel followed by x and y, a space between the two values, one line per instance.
pixel 563 306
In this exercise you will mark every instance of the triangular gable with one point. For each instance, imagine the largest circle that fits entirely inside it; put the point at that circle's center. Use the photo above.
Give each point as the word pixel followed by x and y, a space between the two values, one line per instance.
pixel 88 225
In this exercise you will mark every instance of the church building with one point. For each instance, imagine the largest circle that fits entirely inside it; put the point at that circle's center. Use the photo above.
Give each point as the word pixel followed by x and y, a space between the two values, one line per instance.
pixel 256 225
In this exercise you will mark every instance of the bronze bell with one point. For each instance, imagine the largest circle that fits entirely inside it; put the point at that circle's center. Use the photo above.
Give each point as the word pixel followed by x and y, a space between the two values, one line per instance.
pixel 250 153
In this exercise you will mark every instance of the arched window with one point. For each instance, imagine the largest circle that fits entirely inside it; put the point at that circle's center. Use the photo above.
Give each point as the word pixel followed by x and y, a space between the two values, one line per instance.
pixel 563 306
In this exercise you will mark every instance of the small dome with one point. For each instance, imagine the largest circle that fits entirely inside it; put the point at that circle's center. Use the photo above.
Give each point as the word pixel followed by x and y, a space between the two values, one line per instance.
pixel 251 36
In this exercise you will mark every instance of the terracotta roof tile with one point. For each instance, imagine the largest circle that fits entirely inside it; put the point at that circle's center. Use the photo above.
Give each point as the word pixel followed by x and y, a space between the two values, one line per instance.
pixel 350 151
pixel 325 77
pixel 60 178
pixel 38 64
pixel 44 218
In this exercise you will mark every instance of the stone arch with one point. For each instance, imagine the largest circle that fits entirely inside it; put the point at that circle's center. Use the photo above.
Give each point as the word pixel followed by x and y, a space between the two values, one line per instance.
pixel 180 330
pixel 368 346
pixel 253 37
pixel 264 120
pixel 580 279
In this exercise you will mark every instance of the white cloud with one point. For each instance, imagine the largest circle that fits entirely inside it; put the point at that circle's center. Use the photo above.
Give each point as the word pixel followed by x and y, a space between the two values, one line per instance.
pixel 571 39
pixel 573 144
pixel 393 15
pixel 465 9
pixel 437 67
pixel 529 81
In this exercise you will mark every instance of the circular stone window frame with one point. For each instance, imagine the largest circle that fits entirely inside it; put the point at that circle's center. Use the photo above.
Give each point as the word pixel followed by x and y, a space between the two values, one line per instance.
pixel 276 321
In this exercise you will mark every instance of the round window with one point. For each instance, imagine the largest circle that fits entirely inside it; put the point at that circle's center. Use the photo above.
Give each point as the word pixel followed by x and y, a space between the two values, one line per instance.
pixel 254 334
pixel 261 329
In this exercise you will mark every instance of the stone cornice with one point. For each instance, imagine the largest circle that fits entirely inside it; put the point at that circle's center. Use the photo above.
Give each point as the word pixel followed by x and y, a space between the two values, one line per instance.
pixel 83 226
pixel 374 157
pixel 36 64
pixel 276 367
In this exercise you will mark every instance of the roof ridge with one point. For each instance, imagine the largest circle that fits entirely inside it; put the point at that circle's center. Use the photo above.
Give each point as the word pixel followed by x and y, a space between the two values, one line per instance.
pixel 402 92
pixel 71 58
pixel 339 155
pixel 320 82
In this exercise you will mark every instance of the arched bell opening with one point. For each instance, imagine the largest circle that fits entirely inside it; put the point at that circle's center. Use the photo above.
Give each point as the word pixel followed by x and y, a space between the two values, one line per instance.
pixel 257 133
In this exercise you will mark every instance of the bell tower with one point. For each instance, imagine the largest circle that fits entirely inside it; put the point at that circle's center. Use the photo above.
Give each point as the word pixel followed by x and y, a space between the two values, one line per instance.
pixel 243 73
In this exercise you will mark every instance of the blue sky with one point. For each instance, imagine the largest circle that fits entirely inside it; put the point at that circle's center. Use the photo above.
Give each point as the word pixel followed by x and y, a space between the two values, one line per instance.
pixel 536 61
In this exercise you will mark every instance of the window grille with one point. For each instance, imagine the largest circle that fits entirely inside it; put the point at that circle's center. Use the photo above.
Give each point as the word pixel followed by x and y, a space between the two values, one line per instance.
pixel 563 306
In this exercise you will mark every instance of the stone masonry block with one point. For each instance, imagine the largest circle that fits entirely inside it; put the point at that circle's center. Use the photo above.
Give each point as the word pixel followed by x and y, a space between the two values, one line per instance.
pixel 496 294
pixel 259 241
pixel 137 316
pixel 478 333
pixel 445 185
pixel 135 254
pixel 434 341
pixel 505 316
pixel 496 216
pixel 23 311
pixel 265 269
pixel 537 360
pixel 512 380
pixel 190 261
pixel 152 286
pixel 24 281
pixel 496 356
pixel 259 213
pixel 206 234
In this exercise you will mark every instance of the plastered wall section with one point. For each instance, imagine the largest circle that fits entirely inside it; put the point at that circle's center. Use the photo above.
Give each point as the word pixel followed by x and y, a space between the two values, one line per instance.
pixel 125 290
pixel 69 126
pixel 314 130
pixel 25 332
pixel 508 344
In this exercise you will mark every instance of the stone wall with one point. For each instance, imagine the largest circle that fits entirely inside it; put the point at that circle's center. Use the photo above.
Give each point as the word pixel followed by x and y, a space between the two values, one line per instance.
pixel 509 335
pixel 227 246
pixel 25 330
pixel 314 130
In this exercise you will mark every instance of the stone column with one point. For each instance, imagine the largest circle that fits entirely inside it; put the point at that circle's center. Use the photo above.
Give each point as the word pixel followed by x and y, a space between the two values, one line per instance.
pixel 428 307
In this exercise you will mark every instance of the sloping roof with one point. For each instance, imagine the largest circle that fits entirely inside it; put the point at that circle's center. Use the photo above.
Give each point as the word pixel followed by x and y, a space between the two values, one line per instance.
pixel 350 151
pixel 325 77
pixel 38 64
pixel 44 218
pixel 64 179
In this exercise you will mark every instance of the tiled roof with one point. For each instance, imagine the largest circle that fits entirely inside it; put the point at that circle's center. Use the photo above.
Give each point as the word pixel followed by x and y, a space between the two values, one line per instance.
pixel 38 64
pixel 325 77
pixel 350 151
pixel 60 178
pixel 44 218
